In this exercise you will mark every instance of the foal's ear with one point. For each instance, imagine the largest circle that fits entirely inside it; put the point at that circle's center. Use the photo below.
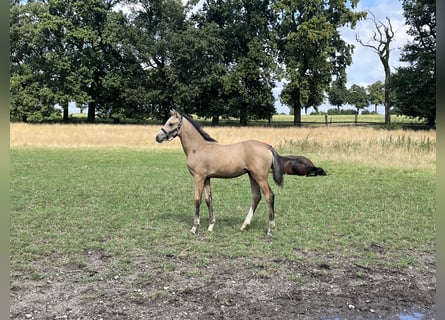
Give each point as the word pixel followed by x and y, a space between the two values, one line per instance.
pixel 173 112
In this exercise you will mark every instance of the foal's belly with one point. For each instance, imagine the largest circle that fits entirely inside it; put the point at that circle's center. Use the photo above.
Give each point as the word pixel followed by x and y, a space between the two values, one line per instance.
pixel 227 174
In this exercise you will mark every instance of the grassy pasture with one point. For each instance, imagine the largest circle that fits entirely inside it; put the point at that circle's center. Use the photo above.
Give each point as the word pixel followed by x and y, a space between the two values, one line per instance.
pixel 113 189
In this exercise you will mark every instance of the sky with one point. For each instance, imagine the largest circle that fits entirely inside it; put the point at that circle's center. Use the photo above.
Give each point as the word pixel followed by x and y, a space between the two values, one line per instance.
pixel 366 67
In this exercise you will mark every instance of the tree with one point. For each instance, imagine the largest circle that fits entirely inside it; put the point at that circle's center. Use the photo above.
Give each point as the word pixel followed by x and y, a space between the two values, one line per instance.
pixel 415 85
pixel 123 79
pixel 376 94
pixel 99 36
pixel 358 97
pixel 40 68
pixel 199 68
pixel 157 22
pixel 380 43
pixel 338 94
pixel 311 49
pixel 244 27
pixel 250 87
pixel 71 51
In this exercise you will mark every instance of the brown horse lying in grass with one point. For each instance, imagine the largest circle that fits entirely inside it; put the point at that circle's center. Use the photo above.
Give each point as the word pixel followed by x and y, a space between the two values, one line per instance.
pixel 299 165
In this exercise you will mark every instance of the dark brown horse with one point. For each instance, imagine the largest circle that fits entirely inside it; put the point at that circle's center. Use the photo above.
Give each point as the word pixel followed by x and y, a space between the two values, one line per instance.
pixel 299 165
pixel 208 159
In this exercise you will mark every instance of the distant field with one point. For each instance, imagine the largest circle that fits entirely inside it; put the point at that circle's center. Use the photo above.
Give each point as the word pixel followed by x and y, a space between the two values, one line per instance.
pixel 348 118
pixel 361 145
pixel 307 119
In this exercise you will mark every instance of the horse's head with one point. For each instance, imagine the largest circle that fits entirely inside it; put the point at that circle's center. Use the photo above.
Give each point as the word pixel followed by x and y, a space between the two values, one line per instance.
pixel 171 128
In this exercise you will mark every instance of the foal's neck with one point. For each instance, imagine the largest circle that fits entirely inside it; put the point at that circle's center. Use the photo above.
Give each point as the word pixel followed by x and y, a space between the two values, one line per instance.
pixel 190 138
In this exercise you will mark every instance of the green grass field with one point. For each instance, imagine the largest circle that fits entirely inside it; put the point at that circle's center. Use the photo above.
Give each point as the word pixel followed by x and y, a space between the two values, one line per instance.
pixel 133 202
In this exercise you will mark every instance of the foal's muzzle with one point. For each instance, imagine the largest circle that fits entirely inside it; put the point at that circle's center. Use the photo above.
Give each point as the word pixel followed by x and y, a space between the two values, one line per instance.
pixel 164 135
pixel 160 137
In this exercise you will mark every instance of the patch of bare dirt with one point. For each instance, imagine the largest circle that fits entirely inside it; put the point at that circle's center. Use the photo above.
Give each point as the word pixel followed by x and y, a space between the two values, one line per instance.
pixel 179 287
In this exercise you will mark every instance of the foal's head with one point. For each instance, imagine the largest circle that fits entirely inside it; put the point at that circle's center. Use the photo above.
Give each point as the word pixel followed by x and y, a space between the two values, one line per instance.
pixel 171 128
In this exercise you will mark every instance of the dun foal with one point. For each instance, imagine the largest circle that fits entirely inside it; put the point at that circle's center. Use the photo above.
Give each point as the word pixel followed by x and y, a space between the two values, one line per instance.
pixel 208 159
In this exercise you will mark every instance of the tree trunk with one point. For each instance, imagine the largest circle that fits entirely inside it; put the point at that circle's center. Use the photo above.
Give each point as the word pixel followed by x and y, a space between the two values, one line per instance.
pixel 387 102
pixel 91 112
pixel 387 113
pixel 65 118
pixel 215 120
pixel 297 113
pixel 243 114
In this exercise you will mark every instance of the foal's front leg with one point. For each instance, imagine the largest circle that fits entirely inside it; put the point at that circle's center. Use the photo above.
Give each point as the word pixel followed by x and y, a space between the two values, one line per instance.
pixel 199 185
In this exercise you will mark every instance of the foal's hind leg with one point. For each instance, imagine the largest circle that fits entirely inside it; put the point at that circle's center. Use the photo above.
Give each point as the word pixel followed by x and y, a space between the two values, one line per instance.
pixel 256 197
pixel 208 199
pixel 270 198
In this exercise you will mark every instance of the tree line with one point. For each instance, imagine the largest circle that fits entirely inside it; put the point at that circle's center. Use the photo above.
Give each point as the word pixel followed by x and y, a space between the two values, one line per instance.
pixel 222 58
pixel 357 96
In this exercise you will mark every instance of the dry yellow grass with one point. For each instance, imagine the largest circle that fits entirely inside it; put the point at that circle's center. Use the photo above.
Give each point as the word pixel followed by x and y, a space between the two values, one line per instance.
pixel 382 148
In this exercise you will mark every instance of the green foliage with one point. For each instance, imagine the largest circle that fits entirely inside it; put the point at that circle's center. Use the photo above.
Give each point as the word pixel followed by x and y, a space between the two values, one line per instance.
pixel 31 95
pixel 68 51
pixel 414 94
pixel 249 66
pixel 156 28
pixel 376 93
pixel 420 15
pixel 358 97
pixel 339 112
pixel 200 71
pixel 338 94
pixel 415 85
pixel 310 46
pixel 219 61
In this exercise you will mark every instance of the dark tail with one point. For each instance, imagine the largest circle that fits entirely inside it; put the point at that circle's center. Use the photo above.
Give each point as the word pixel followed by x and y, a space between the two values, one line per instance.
pixel 277 170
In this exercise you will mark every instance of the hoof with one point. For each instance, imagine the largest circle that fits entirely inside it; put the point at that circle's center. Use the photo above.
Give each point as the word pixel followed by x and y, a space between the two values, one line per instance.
pixel 271 227
pixel 210 228
pixel 193 230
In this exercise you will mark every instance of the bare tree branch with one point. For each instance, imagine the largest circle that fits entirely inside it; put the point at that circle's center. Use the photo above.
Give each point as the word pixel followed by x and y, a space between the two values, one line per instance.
pixel 380 42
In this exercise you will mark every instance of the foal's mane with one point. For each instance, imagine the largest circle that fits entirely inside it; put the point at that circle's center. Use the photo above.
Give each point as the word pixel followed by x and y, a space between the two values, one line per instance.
pixel 197 126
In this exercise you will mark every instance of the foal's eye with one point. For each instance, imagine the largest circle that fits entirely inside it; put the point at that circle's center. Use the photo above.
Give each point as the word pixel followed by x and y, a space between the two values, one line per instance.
pixel 170 124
